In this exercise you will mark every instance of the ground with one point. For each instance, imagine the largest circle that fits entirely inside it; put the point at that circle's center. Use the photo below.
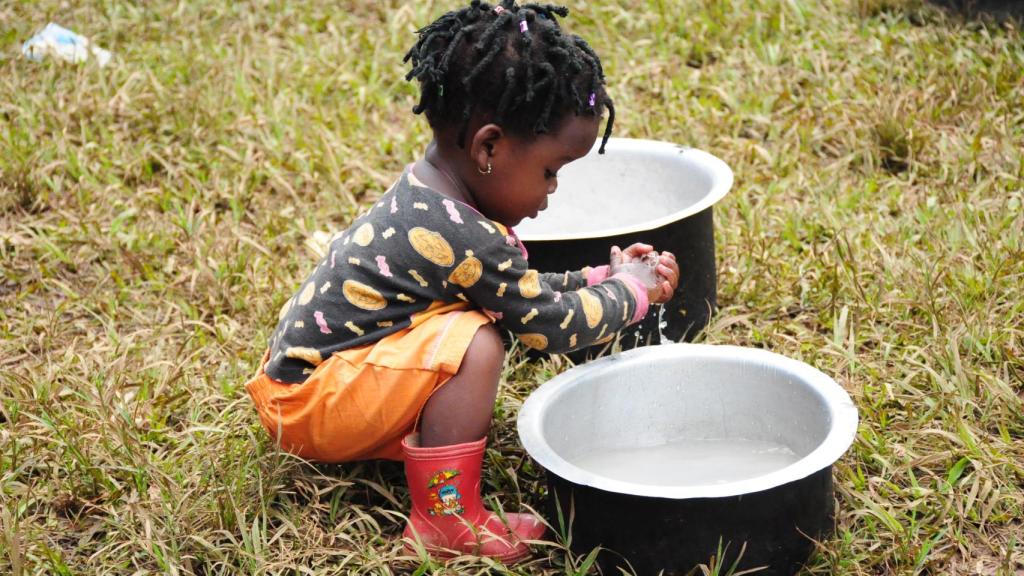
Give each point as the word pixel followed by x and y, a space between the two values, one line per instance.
pixel 154 215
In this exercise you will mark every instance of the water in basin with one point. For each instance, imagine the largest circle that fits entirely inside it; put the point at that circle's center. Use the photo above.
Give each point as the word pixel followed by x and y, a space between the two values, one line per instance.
pixel 688 462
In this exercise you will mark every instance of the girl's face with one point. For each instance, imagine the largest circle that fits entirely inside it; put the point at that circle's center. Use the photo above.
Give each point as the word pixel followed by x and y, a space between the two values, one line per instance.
pixel 525 171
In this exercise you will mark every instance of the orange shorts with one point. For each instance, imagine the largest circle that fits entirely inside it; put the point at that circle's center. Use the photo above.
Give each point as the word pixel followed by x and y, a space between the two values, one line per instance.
pixel 359 403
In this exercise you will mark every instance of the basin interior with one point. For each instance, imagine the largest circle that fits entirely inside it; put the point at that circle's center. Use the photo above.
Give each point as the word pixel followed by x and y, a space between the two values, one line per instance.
pixel 634 183
pixel 685 421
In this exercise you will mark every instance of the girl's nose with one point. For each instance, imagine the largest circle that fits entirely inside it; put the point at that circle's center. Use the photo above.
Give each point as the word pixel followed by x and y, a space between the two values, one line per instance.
pixel 552 187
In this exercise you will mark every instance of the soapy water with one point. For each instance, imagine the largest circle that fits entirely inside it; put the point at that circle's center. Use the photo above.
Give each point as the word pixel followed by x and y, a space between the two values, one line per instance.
pixel 688 462
pixel 660 323
pixel 654 325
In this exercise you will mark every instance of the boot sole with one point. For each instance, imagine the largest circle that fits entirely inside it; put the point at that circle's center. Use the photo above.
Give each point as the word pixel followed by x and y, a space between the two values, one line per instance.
pixel 446 554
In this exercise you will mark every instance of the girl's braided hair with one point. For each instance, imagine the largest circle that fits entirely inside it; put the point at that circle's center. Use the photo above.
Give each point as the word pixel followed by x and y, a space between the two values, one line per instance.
pixel 511 62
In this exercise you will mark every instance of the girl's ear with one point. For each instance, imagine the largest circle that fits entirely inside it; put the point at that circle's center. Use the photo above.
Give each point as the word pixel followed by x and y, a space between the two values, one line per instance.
pixel 486 141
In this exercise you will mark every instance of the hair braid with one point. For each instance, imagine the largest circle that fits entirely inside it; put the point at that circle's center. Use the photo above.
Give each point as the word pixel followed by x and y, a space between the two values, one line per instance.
pixel 608 126
pixel 548 10
pixel 541 127
pixel 493 29
pixel 447 57
pixel 485 61
pixel 582 45
pixel 510 86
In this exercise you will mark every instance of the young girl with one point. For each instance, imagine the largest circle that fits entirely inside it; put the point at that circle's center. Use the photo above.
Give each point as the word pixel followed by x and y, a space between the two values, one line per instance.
pixel 390 348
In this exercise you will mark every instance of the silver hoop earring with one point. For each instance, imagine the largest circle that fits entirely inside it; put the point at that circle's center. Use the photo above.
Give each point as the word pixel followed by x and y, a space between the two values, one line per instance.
pixel 489 169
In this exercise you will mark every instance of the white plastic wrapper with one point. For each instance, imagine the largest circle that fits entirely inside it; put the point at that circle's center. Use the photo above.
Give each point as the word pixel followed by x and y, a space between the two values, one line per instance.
pixel 59 42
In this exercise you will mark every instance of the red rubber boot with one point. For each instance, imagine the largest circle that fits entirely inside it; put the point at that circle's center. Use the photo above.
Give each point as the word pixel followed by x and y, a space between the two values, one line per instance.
pixel 448 517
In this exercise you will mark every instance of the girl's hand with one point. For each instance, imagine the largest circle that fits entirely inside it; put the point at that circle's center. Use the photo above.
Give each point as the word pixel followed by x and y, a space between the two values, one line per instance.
pixel 667 269
pixel 658 273
pixel 634 253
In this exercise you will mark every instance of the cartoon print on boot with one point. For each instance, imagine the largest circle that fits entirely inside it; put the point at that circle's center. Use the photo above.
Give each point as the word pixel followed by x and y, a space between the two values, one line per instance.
pixel 445 501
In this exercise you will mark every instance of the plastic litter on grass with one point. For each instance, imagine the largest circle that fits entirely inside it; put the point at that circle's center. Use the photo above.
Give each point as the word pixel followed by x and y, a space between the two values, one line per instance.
pixel 58 42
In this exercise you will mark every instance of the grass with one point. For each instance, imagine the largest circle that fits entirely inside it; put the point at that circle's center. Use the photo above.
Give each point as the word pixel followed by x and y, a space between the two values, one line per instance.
pixel 154 214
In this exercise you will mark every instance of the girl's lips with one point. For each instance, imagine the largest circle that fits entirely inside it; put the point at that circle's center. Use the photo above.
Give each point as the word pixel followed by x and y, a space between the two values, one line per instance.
pixel 543 206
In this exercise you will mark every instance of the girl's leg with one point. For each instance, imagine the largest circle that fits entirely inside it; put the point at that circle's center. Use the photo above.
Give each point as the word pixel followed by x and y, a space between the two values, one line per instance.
pixel 460 411
pixel 443 465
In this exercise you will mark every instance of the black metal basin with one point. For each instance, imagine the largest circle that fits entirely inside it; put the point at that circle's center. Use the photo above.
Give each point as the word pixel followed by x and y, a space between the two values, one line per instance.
pixel 638 191
pixel 624 440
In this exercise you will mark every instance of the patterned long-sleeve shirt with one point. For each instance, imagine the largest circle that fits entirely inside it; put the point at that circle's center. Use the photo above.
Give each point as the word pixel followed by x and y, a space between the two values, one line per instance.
pixel 417 252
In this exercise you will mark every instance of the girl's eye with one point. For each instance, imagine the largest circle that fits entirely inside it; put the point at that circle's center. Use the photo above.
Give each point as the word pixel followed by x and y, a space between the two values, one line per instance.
pixel 549 174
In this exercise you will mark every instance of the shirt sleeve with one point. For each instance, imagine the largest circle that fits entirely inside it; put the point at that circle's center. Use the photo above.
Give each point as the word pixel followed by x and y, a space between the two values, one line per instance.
pixel 564 281
pixel 574 280
pixel 486 265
